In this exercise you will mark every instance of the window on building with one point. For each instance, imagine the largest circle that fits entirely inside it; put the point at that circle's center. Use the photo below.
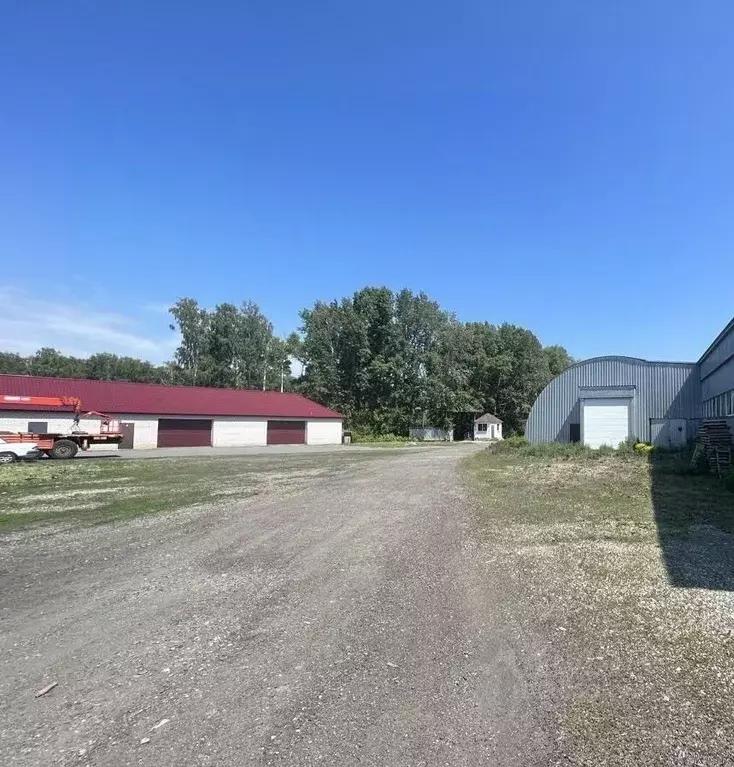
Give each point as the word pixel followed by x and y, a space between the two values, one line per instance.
pixel 38 427
pixel 481 427
pixel 720 406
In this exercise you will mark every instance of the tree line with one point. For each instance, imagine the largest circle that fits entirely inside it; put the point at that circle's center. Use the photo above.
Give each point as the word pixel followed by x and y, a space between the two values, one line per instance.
pixel 386 360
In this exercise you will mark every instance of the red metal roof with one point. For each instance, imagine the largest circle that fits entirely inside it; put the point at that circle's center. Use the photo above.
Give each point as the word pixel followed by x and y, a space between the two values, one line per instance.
pixel 123 398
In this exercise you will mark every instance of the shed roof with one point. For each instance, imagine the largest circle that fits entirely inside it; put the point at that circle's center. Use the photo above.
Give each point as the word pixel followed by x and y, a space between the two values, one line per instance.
pixel 487 418
pixel 122 397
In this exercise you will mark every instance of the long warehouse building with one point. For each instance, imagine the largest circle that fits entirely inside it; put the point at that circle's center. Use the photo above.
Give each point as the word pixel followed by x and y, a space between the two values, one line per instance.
pixel 607 400
pixel 153 415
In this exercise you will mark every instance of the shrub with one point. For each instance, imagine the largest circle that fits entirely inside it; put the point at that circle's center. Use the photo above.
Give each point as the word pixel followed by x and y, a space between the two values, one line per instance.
pixel 366 437
pixel 643 448
pixel 628 446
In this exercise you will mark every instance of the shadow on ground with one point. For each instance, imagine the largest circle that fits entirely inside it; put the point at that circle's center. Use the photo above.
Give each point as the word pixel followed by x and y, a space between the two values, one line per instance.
pixel 694 514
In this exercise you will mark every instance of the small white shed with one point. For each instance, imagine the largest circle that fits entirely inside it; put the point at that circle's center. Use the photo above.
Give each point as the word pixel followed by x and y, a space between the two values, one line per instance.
pixel 487 426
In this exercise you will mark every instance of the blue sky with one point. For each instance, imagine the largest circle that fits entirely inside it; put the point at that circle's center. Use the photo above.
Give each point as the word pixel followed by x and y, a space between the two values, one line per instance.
pixel 568 166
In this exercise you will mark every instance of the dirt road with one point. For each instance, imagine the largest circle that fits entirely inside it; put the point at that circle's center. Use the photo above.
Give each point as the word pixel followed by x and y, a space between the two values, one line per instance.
pixel 354 621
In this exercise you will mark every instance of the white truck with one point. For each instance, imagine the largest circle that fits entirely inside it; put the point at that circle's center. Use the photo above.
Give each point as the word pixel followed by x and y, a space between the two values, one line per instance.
pixel 10 452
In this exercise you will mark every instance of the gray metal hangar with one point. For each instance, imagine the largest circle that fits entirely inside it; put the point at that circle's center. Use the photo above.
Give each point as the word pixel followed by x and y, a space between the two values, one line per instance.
pixel 606 400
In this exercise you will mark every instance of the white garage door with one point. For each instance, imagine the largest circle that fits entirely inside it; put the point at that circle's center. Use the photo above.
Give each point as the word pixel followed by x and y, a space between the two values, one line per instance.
pixel 605 422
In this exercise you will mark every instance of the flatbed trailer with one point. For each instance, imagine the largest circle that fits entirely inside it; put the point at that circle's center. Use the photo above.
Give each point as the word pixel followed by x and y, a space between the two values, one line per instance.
pixel 67 444
pixel 63 446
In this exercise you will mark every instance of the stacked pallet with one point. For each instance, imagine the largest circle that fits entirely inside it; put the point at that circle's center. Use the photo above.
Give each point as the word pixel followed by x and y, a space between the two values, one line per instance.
pixel 714 438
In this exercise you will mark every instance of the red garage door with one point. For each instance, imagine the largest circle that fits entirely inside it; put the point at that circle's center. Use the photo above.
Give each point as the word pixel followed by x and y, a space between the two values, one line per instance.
pixel 286 432
pixel 184 432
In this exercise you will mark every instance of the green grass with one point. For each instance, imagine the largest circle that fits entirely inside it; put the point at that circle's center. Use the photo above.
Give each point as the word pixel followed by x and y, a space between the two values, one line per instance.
pixel 95 491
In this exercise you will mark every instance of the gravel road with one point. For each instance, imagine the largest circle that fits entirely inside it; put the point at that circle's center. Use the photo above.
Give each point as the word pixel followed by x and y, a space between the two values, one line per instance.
pixel 357 620
pixel 272 450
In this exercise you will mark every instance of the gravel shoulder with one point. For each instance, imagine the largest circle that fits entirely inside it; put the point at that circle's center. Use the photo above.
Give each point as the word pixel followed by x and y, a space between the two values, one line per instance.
pixel 347 618
pixel 625 571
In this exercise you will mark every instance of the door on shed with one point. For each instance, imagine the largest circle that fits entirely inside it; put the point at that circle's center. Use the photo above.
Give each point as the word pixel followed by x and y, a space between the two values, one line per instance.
pixel 605 421
pixel 286 432
pixel 128 436
pixel 184 432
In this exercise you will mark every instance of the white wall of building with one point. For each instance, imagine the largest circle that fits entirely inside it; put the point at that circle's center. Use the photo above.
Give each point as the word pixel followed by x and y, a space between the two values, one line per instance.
pixel 57 422
pixel 494 431
pixel 324 432
pixel 226 432
pixel 146 430
pixel 238 432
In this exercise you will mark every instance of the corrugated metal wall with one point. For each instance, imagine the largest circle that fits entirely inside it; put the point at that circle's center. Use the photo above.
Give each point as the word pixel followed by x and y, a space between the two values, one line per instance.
pixel 718 382
pixel 720 351
pixel 661 390
pixel 717 365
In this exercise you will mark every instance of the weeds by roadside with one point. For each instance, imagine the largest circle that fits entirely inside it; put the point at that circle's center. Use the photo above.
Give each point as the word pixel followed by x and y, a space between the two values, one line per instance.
pixel 521 448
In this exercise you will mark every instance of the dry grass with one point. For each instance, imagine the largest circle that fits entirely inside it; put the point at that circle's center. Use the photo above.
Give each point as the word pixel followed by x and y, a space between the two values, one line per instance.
pixel 51 495
pixel 626 570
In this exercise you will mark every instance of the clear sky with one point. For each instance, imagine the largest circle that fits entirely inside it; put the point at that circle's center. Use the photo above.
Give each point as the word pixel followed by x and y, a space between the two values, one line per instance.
pixel 565 165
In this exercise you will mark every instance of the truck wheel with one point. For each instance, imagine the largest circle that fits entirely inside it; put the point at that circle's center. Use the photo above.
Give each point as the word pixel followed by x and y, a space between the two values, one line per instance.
pixel 64 448
pixel 8 457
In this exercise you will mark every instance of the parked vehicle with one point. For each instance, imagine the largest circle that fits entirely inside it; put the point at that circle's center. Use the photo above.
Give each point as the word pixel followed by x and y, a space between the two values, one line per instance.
pixel 66 444
pixel 10 452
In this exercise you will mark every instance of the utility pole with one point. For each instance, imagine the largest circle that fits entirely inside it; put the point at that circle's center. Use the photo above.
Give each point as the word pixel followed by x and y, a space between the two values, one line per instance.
pixel 265 364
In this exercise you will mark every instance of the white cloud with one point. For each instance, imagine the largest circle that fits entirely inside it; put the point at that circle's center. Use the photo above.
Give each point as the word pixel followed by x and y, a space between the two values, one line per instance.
pixel 75 327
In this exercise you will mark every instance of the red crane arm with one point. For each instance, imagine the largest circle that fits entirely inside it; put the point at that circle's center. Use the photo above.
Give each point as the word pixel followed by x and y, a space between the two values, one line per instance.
pixel 73 402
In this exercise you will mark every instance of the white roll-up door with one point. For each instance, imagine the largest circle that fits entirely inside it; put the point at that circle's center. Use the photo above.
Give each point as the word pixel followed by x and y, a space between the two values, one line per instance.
pixel 605 421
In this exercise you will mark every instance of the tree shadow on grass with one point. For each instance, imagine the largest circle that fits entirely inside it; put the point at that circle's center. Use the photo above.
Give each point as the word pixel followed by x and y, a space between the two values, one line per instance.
pixel 694 514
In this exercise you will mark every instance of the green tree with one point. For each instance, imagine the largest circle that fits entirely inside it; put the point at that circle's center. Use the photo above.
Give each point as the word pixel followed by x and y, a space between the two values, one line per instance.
pixel 191 321
pixel 387 361
pixel 110 367
pixel 13 363
pixel 558 359
pixel 322 329
pixel 229 347
pixel 50 362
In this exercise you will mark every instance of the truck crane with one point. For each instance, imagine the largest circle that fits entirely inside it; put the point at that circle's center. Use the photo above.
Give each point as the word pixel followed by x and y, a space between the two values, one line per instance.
pixel 64 445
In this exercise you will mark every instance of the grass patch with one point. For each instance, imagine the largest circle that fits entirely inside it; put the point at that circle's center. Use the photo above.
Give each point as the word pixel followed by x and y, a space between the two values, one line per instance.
pixel 520 447
pixel 624 566
pixel 96 491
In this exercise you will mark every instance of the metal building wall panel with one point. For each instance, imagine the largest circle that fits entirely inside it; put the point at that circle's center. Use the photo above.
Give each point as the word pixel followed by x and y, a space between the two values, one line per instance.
pixel 661 390
pixel 720 351
pixel 719 381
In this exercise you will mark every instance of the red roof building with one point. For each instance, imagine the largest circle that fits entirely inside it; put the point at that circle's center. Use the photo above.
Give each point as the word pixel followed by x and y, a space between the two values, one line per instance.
pixel 165 416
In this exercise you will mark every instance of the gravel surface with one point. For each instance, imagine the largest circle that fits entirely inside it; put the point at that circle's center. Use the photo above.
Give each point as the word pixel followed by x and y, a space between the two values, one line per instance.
pixel 273 450
pixel 353 620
